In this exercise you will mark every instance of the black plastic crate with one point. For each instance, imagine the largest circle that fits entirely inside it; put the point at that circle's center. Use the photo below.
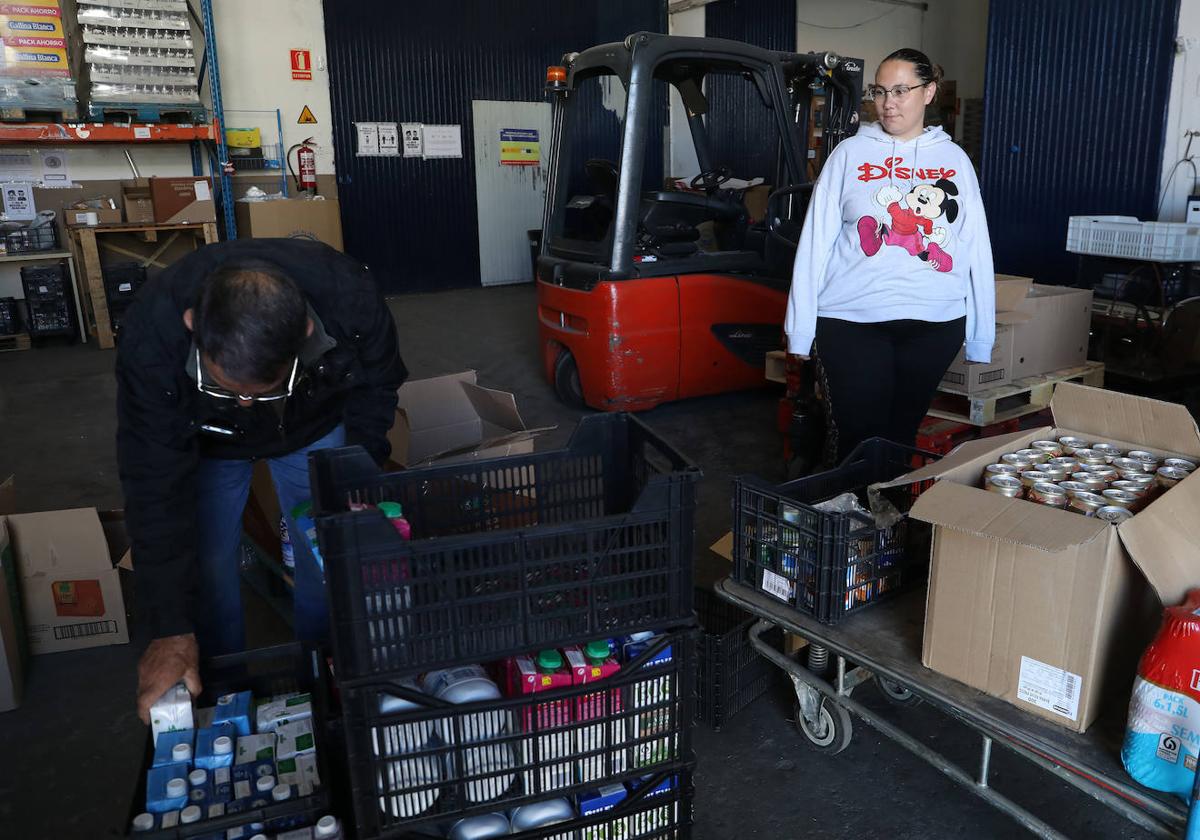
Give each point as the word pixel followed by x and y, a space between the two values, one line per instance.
pixel 730 674
pixel 421 769
pixel 657 808
pixel 829 564
pixel 49 299
pixel 265 672
pixel 507 555
pixel 31 239
pixel 10 316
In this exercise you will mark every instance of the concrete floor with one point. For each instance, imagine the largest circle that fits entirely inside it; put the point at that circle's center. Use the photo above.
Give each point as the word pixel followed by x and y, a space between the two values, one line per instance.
pixel 71 754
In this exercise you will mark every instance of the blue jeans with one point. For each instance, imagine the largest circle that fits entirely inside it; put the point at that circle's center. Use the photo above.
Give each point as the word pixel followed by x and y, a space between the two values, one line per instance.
pixel 222 487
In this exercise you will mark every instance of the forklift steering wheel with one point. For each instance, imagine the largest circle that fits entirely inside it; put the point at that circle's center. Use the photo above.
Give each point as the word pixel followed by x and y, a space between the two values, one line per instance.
pixel 711 180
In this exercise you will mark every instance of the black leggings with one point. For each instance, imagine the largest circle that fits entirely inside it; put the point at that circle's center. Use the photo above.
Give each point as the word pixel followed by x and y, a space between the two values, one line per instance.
pixel 878 379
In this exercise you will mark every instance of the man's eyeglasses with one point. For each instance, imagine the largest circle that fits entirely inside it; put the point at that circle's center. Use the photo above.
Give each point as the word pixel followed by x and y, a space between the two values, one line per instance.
pixel 222 394
pixel 898 93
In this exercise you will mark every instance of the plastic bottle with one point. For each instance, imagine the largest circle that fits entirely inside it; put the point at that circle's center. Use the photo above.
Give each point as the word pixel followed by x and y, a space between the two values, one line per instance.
pixel 327 828
pixel 541 814
pixel 190 814
pixel 143 822
pixel 395 514
pixel 285 544
pixel 466 684
pixel 302 516
pixel 402 737
pixel 482 827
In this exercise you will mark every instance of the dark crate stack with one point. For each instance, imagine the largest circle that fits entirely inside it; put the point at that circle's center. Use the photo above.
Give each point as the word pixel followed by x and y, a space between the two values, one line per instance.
pixel 507 557
pixel 10 316
pixel 49 299
pixel 827 560
pixel 730 675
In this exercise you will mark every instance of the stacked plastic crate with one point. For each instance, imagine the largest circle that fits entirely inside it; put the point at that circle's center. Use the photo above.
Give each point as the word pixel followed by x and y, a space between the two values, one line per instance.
pixel 138 61
pixel 35 75
pixel 514 640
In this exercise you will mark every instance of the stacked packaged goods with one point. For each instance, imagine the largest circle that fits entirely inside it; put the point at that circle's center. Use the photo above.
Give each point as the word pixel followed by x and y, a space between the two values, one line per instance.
pixel 35 75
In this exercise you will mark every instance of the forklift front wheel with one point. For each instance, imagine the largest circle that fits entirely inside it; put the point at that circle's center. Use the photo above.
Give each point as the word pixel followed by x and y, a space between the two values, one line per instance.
pixel 566 380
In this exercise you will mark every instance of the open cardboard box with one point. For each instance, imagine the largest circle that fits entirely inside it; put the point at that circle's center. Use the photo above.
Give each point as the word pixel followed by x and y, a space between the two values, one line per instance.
pixel 1043 607
pixel 451 418
pixel 14 648
pixel 971 378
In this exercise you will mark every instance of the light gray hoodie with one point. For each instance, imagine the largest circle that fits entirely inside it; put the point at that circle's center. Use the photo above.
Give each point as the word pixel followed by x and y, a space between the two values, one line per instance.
pixel 895 230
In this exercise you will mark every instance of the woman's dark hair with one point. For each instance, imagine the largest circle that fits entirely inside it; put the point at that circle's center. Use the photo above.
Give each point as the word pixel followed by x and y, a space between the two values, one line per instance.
pixel 925 69
pixel 251 319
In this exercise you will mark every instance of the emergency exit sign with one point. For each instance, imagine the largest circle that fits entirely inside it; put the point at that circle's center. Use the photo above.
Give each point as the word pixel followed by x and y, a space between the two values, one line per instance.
pixel 302 65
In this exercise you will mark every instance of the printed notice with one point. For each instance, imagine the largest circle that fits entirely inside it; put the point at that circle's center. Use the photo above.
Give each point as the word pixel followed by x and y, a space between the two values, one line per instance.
pixel 368 138
pixel 1049 688
pixel 414 145
pixel 443 141
pixel 777 585
pixel 389 139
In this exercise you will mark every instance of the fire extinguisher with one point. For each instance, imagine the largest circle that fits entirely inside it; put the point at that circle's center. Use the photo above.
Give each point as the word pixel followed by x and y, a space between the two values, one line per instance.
pixel 306 162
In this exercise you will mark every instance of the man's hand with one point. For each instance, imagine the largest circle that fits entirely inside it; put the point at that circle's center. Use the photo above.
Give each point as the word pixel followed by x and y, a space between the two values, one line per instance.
pixel 165 662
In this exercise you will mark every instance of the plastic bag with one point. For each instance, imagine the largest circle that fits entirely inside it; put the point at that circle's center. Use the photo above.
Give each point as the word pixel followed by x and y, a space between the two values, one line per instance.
pixel 1162 738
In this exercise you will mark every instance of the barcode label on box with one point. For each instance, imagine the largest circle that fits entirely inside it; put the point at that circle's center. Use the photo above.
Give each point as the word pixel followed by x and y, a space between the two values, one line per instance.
pixel 1049 688
pixel 777 585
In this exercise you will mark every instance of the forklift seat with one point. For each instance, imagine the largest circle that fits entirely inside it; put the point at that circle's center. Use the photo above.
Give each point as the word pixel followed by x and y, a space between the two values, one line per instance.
pixel 669 221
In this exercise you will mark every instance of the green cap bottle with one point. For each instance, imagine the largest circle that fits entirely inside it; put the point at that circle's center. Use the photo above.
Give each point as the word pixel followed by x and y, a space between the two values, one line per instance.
pixel 549 661
pixel 302 510
pixel 596 651
pixel 392 510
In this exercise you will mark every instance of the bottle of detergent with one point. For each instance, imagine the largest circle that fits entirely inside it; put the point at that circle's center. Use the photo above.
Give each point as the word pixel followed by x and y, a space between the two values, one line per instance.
pixel 1162 737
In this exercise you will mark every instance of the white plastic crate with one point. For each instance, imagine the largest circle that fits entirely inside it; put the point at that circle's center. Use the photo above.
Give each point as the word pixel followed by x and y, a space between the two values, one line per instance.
pixel 1125 236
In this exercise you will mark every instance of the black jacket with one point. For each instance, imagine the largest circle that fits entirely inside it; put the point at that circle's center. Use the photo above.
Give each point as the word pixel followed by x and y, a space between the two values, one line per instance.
pixel 351 368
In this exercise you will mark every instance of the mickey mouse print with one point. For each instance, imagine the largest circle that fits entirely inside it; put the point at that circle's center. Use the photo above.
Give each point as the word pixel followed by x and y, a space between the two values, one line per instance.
pixel 910 222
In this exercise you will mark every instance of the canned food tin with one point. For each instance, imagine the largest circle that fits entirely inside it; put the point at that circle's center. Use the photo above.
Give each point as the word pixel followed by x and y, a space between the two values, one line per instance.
pixel 1005 485
pixel 1035 455
pixel 1124 465
pixel 1000 469
pixel 1094 483
pixel 1167 477
pixel 1056 472
pixel 1120 498
pixel 1051 495
pixel 1089 456
pixel 1032 477
pixel 1149 460
pixel 1102 470
pixel 1052 446
pixel 1070 464
pixel 1180 464
pixel 1114 514
pixel 1070 444
pixel 1073 487
pixel 1019 461
pixel 1086 503
pixel 1110 452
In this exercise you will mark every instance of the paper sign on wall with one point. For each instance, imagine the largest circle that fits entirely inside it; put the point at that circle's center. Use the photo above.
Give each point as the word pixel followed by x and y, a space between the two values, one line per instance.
pixel 389 139
pixel 411 133
pixel 368 138
pixel 56 173
pixel 18 202
pixel 443 141
pixel 519 147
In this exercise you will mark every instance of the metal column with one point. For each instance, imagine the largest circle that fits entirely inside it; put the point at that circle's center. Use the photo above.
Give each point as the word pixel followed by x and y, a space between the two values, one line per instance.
pixel 221 175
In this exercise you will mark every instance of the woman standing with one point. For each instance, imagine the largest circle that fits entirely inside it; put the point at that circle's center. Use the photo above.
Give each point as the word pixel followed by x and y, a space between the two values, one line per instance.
pixel 894 267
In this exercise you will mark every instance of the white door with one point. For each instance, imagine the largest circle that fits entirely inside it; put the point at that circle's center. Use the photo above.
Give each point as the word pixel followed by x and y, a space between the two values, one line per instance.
pixel 512 146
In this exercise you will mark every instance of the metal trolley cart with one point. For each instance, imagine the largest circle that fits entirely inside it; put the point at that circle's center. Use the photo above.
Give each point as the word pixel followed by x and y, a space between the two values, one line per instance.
pixel 884 643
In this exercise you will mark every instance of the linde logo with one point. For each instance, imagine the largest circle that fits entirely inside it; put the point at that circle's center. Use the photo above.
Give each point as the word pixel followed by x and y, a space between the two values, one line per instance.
pixel 851 66
pixel 31 26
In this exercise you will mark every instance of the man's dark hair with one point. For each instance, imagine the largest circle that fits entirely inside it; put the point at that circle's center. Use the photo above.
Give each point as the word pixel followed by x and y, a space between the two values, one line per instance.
pixel 250 319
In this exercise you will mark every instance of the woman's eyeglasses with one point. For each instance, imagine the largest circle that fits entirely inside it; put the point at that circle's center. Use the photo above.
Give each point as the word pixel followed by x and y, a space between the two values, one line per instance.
pixel 898 93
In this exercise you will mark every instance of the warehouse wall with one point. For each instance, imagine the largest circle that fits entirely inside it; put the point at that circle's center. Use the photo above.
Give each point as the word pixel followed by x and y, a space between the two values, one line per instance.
pixel 1183 115
pixel 682 157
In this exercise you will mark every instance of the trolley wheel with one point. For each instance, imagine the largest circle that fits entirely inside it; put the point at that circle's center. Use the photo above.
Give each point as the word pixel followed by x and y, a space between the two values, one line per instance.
pixel 566 380
pixel 832 731
pixel 896 693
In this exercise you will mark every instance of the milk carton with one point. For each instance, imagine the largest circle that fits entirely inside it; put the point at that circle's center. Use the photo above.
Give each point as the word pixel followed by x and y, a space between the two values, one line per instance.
pixel 173 748
pixel 214 746
pixel 171 712
pixel 283 709
pixel 591 663
pixel 294 738
pixel 254 759
pixel 222 782
pixel 200 789
pixel 234 708
pixel 657 819
pixel 657 695
pixel 551 720
pixel 300 772
pixel 166 788
pixel 597 801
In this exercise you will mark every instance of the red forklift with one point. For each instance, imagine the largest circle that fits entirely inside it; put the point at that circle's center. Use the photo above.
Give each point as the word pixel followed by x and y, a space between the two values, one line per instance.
pixel 649 292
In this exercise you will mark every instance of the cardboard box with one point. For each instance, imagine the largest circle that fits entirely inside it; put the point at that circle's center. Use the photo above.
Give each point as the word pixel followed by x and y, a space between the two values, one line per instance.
pixel 92 216
pixel 1042 607
pixel 70 591
pixel 964 378
pixel 451 418
pixel 13 644
pixel 139 205
pixel 755 199
pixel 1056 333
pixel 182 200
pixel 291 218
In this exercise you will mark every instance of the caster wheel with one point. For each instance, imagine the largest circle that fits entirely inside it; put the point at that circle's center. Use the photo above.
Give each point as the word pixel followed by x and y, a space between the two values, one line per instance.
pixel 832 730
pixel 896 693
pixel 566 381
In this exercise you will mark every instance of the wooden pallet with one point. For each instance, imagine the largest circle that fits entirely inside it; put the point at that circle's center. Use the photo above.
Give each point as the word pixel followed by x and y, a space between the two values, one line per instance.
pixel 147 113
pixel 1008 402
pixel 39 114
pixel 17 341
